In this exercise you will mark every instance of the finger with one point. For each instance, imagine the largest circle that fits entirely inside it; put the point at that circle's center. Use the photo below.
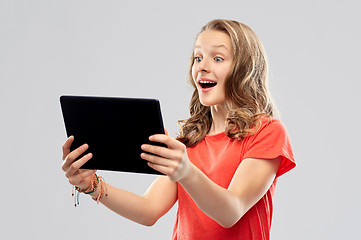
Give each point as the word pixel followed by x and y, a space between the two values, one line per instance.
pixel 75 166
pixel 71 157
pixel 78 178
pixel 66 146
pixel 166 132
pixel 156 160
pixel 160 168
pixel 167 140
pixel 158 150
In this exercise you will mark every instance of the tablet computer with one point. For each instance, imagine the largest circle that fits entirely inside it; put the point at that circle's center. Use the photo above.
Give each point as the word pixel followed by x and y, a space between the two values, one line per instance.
pixel 114 128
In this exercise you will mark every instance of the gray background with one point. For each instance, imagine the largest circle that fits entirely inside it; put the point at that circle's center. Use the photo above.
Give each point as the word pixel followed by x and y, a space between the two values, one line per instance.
pixel 141 49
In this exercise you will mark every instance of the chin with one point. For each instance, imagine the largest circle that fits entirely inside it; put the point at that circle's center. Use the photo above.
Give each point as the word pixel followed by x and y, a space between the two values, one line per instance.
pixel 211 99
pixel 207 103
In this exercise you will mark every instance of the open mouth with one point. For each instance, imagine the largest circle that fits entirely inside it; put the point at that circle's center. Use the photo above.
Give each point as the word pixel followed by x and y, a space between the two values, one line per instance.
pixel 207 84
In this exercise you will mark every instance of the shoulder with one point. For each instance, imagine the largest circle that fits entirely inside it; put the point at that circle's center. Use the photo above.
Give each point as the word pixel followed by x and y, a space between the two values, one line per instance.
pixel 270 141
pixel 269 131
pixel 270 125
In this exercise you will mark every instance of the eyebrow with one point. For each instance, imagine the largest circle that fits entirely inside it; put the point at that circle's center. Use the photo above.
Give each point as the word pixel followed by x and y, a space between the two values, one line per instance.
pixel 215 46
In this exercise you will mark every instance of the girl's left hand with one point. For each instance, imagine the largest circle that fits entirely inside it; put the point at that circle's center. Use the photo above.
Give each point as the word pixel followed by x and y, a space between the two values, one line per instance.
pixel 172 161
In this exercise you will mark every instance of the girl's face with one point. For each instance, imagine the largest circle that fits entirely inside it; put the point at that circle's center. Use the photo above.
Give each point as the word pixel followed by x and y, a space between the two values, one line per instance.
pixel 213 58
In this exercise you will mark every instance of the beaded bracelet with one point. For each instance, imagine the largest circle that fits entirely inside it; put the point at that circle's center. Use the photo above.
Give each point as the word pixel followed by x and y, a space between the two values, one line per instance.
pixel 103 189
pixel 97 181
pixel 93 185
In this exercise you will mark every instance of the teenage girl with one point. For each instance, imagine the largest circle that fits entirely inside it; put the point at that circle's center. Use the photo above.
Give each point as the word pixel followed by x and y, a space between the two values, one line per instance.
pixel 223 167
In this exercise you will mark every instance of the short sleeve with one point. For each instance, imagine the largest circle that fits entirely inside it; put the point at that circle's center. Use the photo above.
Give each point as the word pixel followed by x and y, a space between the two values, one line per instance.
pixel 272 141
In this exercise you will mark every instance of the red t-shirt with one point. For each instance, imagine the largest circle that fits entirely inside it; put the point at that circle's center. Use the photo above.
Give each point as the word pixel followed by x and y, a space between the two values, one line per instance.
pixel 218 157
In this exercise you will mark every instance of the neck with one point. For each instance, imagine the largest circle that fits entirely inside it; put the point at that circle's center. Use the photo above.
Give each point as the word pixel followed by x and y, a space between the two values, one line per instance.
pixel 218 119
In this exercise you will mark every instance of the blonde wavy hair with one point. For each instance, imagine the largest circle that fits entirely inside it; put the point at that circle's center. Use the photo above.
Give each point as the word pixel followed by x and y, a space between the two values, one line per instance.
pixel 246 88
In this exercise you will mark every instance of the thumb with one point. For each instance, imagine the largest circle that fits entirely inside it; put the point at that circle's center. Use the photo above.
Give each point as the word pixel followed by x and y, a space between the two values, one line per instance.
pixel 166 132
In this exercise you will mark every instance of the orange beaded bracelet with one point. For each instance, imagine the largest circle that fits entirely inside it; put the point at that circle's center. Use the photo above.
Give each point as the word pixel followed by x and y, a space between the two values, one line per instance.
pixel 97 181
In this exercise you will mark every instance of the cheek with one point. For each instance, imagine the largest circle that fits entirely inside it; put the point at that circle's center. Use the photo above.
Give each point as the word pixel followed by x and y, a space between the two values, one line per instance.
pixel 225 73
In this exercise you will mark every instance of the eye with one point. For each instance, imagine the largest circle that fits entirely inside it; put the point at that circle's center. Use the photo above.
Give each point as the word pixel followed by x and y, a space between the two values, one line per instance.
pixel 197 59
pixel 218 59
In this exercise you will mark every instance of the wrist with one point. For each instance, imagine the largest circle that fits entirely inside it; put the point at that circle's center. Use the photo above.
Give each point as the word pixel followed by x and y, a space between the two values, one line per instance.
pixel 91 188
pixel 100 190
pixel 95 193
pixel 97 189
pixel 190 176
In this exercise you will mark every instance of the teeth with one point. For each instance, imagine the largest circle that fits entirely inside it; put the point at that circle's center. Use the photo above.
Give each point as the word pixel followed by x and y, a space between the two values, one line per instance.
pixel 205 82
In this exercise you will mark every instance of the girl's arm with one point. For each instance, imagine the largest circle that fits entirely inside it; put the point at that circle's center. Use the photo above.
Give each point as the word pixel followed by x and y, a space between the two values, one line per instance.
pixel 250 182
pixel 146 209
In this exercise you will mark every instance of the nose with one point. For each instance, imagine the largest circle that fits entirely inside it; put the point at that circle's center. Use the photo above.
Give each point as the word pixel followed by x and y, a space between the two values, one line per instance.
pixel 203 66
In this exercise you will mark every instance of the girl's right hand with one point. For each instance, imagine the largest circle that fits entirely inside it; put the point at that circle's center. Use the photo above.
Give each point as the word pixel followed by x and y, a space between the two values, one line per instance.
pixel 71 165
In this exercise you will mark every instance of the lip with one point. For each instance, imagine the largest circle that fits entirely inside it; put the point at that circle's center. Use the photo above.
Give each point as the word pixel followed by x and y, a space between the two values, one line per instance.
pixel 206 89
pixel 208 80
